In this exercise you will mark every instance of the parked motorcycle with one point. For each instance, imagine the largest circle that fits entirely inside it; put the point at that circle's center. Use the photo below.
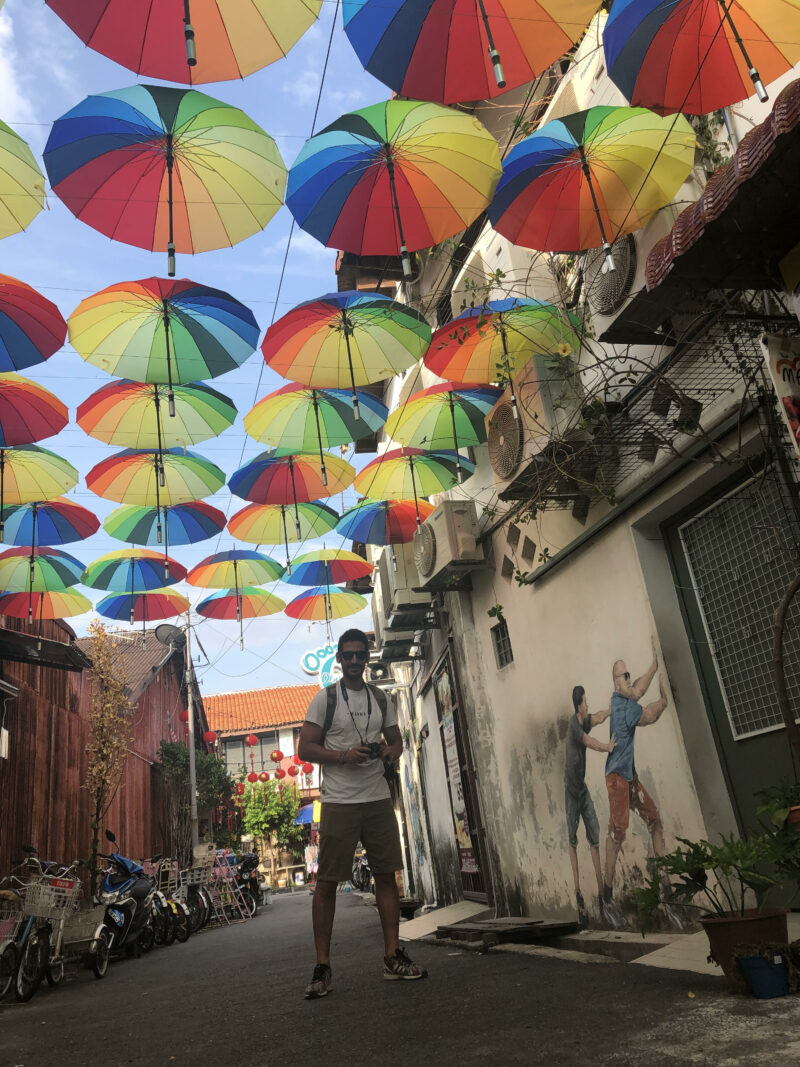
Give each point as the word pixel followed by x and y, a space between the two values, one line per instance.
pixel 247 878
pixel 127 893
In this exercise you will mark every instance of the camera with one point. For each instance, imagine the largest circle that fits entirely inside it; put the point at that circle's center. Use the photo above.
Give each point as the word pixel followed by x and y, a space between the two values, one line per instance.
pixel 374 749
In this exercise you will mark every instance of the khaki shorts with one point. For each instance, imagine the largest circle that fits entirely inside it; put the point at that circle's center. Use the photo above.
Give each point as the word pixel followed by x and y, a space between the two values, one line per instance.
pixel 342 826
pixel 624 796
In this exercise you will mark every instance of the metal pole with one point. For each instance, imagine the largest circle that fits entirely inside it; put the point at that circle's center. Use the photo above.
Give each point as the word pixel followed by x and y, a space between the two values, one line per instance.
pixel 609 262
pixel 494 55
pixel 190 709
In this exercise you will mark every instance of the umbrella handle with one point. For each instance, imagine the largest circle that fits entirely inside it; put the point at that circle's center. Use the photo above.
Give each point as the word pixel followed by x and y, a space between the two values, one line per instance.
pixel 507 369
pixel 170 240
pixel 286 540
pixel 459 468
pixel 188 33
pixel 347 331
pixel 319 439
pixel 609 264
pixel 755 78
pixel 404 256
pixel 494 55
pixel 414 487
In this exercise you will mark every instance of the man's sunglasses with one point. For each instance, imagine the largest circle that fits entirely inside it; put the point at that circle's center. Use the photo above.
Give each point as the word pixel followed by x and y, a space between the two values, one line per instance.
pixel 626 676
pixel 359 657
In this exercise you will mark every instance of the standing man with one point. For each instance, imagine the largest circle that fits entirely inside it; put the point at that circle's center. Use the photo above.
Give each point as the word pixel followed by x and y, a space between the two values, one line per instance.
pixel 577 798
pixel 361 734
pixel 625 791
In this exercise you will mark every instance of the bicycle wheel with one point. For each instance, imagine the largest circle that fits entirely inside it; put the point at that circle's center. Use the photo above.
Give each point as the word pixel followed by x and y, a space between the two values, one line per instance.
pixel 206 905
pixel 32 965
pixel 160 923
pixel 171 923
pixel 54 973
pixel 145 939
pixel 8 967
pixel 101 956
pixel 194 904
pixel 249 902
pixel 183 926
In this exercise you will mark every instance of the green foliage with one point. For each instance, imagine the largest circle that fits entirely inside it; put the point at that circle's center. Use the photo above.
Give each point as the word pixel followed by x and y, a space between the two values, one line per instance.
pixel 707 128
pixel 269 811
pixel 782 838
pixel 777 800
pixel 214 784
pixel 496 612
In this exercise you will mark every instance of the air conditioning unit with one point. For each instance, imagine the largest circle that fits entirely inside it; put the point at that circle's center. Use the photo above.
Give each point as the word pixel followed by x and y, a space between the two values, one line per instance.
pixel 405 605
pixel 391 645
pixel 446 546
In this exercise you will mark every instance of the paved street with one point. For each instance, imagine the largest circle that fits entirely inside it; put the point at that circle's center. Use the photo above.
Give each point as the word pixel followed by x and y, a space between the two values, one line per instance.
pixel 234 997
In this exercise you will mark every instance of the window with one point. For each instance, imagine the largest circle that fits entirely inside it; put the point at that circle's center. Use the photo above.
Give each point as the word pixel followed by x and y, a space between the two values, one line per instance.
pixel 502 645
pixel 234 756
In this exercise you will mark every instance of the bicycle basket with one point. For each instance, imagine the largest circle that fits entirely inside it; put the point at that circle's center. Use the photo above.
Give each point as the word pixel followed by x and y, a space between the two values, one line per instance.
pixel 81 924
pixel 11 920
pixel 51 898
pixel 196 876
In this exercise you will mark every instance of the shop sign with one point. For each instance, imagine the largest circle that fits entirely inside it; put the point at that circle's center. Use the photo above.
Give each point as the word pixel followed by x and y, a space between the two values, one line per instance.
pixel 321 663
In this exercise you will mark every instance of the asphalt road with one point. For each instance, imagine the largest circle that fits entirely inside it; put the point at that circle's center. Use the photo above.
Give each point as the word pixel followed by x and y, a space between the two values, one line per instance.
pixel 234 996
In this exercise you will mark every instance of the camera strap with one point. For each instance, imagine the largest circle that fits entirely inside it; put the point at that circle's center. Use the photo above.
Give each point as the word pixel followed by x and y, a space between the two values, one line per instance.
pixel 352 717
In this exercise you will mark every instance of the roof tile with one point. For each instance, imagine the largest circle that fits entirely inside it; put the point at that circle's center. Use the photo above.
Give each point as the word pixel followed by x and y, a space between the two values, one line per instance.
pixel 253 709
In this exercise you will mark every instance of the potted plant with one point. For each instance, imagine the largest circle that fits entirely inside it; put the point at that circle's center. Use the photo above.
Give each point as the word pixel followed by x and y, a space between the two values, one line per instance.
pixel 781 804
pixel 722 876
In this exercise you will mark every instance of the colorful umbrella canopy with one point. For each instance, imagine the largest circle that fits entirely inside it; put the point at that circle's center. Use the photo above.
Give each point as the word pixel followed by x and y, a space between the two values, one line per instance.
pixel 393 177
pixel 330 566
pixel 28 411
pixel 273 478
pixel 459 50
pixel 584 180
pixel 151 478
pixel 448 415
pixel 383 522
pixel 324 604
pixel 346 339
pixel 21 184
pixel 265 524
pixel 165 168
pixel 408 473
pixel 142 607
pixel 235 568
pixel 180 524
pixel 54 522
pixel 58 604
pixel 205 41
pixel 156 330
pixel 31 326
pixel 698 56
pixel 31 473
pixel 134 570
pixel 239 604
pixel 300 418
pixel 40 570
pixel 132 415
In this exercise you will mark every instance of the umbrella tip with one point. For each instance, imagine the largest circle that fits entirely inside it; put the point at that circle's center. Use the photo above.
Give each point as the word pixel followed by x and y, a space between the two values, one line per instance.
pixel 758 85
pixel 499 73
pixel 609 264
pixel 171 259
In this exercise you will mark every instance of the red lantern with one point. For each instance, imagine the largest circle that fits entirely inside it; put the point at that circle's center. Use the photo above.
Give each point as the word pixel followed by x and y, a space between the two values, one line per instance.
pixel 294 770
pixel 184 716
pixel 263 777
pixel 251 740
pixel 298 761
pixel 308 768
pixel 240 788
pixel 252 777
pixel 276 755
pixel 210 736
pixel 280 773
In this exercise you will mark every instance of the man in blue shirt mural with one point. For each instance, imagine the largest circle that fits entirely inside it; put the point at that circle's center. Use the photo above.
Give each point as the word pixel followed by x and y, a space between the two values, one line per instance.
pixel 625 791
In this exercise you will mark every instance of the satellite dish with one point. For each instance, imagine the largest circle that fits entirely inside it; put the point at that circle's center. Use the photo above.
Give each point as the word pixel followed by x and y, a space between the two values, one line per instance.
pixel 170 635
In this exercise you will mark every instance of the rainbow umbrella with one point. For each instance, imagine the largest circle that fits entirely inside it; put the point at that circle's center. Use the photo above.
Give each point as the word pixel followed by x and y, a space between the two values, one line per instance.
pixel 239 604
pixel 459 50
pixel 394 176
pixel 234 570
pixel 383 522
pixel 151 478
pixel 21 184
pixel 330 566
pixel 408 473
pixel 160 331
pixel 584 180
pixel 274 478
pixel 133 570
pixel 165 168
pixel 448 415
pixel 159 38
pixel 346 339
pixel 31 326
pixel 265 524
pixel 180 524
pixel 31 473
pixel 54 522
pixel 142 607
pixel 28 411
pixel 129 414
pixel 58 604
pixel 38 570
pixel 698 56
pixel 324 604
pixel 297 418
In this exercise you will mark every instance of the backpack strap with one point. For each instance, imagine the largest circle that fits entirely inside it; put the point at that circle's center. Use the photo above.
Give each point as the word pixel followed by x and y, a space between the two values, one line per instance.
pixel 330 706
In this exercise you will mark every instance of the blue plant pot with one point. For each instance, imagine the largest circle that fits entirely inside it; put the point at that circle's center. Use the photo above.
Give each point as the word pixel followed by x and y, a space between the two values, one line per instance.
pixel 766 978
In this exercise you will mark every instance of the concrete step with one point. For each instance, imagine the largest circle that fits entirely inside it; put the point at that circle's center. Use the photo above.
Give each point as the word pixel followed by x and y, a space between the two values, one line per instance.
pixel 621 945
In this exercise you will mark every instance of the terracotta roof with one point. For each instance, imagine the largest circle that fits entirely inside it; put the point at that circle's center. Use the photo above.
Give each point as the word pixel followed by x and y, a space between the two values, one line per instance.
pixel 284 705
pixel 140 665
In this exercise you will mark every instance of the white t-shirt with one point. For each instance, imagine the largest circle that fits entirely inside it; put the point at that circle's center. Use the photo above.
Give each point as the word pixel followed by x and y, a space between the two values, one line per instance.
pixel 352 783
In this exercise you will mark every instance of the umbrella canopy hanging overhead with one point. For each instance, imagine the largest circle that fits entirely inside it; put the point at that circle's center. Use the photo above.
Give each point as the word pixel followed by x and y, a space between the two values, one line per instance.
pixel 252 603
pixel 235 568
pixel 142 607
pixel 328 566
pixel 409 473
pixel 179 524
pixel 459 50
pixel 325 604
pixel 274 478
pixel 31 473
pixel 53 522
pixel 393 177
pixel 21 184
pixel 154 330
pixel 133 415
pixel 163 168
pixel 345 340
pixel 31 327
pixel 151 478
pixel 383 522
pixel 194 42
pixel 38 570
pixel 28 411
pixel 300 418
pixel 134 570
pixel 698 56
pixel 269 524
pixel 583 180
pixel 58 604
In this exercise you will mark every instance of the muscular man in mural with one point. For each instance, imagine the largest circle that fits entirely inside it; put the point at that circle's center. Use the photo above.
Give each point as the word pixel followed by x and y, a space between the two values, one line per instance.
pixel 577 798
pixel 625 791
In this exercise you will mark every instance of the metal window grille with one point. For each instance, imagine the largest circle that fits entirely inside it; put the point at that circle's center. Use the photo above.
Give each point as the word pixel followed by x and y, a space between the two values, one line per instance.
pixel 742 554
pixel 503 652
pixel 234 756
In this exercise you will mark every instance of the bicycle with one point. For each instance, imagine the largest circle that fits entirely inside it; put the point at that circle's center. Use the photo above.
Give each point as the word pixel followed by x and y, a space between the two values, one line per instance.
pixel 361 877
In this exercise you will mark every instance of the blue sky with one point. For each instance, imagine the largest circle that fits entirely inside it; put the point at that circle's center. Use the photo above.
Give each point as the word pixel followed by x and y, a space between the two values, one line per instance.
pixel 44 71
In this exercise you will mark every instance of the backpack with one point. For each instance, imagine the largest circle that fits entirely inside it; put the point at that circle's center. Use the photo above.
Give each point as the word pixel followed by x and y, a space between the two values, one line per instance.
pixel 330 706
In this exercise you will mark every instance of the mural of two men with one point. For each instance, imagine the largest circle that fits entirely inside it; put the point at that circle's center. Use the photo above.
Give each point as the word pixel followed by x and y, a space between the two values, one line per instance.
pixel 625 790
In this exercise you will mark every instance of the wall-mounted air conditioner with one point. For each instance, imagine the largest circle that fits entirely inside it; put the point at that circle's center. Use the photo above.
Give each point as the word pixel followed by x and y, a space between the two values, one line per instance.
pixel 446 546
pixel 404 604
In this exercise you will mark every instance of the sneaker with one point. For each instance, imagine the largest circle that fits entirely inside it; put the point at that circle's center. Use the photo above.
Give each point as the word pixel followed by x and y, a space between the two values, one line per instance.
pixel 320 982
pixel 400 967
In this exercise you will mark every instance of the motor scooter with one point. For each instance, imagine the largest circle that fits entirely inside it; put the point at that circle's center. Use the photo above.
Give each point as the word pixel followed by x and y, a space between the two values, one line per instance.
pixel 127 892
